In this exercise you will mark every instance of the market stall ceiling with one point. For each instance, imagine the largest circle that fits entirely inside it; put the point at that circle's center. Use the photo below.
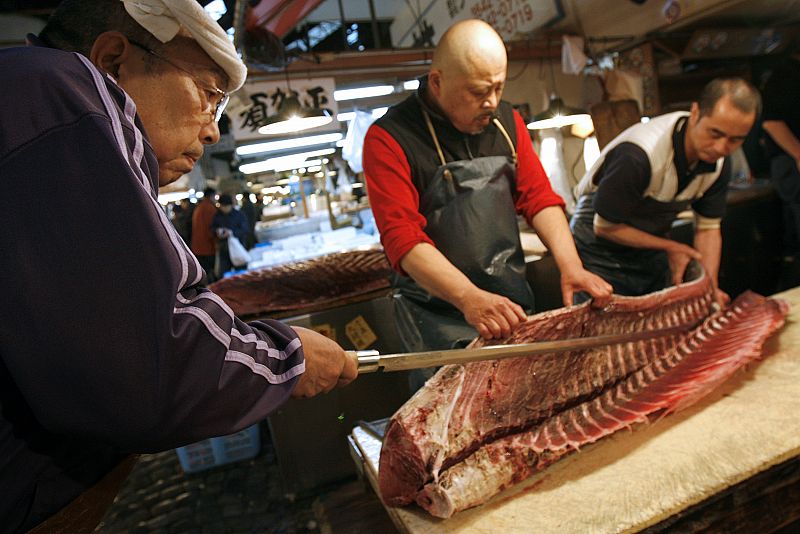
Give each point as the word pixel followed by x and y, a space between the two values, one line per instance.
pixel 596 19
pixel 604 19
pixel 599 18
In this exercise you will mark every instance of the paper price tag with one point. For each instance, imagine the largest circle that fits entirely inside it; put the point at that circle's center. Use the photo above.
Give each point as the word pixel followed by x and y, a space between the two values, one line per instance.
pixel 359 333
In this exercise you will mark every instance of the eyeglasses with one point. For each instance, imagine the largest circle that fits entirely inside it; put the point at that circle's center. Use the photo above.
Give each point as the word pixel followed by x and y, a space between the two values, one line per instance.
pixel 213 94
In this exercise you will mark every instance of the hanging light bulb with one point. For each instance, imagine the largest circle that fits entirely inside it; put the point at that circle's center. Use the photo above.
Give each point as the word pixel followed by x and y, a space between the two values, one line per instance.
pixel 558 114
pixel 292 116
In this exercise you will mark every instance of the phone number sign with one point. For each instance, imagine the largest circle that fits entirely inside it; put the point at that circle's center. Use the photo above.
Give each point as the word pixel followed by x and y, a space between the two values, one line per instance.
pixel 510 18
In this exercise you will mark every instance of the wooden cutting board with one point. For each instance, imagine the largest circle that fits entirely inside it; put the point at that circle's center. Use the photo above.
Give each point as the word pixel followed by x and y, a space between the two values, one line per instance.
pixel 632 480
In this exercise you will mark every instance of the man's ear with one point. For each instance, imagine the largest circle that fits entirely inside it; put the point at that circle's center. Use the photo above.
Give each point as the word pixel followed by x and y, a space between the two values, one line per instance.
pixel 109 51
pixel 694 113
pixel 435 82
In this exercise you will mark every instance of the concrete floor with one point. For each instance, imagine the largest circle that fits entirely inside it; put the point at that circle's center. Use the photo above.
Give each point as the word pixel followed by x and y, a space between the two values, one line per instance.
pixel 242 497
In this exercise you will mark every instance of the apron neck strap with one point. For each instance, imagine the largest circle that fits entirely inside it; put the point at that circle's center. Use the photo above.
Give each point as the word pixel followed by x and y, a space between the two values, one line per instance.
pixel 439 147
pixel 434 136
pixel 503 131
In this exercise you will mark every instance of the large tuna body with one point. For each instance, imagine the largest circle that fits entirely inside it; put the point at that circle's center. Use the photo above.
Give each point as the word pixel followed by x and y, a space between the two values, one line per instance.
pixel 475 429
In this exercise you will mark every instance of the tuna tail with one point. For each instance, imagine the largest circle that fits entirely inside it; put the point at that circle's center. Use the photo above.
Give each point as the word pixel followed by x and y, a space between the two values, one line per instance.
pixel 708 356
pixel 724 343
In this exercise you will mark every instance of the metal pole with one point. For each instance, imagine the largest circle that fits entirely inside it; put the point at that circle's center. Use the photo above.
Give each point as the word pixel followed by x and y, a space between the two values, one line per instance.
pixel 303 198
pixel 344 28
pixel 240 9
pixel 376 36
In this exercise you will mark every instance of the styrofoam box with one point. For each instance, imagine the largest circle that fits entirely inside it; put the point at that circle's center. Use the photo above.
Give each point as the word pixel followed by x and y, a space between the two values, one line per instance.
pixel 212 452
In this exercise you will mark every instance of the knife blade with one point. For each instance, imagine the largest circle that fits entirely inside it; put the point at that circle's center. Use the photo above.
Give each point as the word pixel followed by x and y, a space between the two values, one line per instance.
pixel 372 361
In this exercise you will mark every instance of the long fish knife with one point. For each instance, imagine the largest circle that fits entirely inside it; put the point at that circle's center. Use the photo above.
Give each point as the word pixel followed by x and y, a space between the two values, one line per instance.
pixel 371 361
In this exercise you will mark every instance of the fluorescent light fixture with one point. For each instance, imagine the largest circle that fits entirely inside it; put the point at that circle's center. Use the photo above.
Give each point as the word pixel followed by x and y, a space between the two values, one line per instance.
pixel 284 160
pixel 174 196
pixel 252 168
pixel 285 183
pixel 350 115
pixel 283 163
pixel 275 189
pixel 363 92
pixel 411 85
pixel 285 144
pixel 288 166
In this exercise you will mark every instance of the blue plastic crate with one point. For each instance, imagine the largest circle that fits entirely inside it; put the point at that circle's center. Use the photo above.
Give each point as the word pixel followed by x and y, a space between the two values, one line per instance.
pixel 219 451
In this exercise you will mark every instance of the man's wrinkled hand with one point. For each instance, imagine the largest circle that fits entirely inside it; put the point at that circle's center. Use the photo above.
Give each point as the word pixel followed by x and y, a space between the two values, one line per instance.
pixel 327 365
pixel 493 316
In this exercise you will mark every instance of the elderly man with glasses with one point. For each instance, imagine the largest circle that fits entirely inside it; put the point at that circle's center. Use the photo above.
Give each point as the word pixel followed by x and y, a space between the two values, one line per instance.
pixel 109 344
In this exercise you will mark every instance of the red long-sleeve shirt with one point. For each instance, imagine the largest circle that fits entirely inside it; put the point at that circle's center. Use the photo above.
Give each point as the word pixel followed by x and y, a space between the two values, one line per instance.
pixel 395 200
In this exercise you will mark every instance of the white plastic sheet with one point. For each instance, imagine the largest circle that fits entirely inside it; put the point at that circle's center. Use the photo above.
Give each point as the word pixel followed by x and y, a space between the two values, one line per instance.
pixel 354 141
pixel 239 255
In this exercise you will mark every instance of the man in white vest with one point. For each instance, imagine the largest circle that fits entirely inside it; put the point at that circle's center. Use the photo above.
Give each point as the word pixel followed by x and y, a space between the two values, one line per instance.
pixel 649 174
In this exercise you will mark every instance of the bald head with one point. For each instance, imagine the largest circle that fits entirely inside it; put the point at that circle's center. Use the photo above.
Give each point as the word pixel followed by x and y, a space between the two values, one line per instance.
pixel 468 45
pixel 467 75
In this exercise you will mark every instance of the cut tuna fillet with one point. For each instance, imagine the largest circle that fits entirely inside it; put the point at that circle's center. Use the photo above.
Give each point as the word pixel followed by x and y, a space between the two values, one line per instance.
pixel 311 283
pixel 478 428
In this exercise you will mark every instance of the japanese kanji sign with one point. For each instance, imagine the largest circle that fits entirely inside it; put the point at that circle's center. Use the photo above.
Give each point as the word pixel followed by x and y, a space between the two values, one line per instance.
pixel 511 18
pixel 256 101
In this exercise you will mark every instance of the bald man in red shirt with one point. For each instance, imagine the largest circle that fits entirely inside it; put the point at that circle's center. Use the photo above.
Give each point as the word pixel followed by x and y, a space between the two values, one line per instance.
pixel 447 171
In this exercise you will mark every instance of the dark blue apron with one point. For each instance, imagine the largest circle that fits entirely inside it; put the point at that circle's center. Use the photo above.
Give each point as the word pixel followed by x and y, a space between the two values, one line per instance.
pixel 632 271
pixel 471 219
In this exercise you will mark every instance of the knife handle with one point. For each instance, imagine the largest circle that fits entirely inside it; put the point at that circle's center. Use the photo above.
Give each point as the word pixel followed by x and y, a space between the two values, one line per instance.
pixel 368 360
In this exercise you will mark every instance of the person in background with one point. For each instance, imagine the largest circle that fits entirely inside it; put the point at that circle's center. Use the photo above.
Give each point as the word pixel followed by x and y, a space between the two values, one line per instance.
pixel 649 174
pixel 781 122
pixel 182 219
pixel 204 243
pixel 447 171
pixel 109 343
pixel 227 221
pixel 250 212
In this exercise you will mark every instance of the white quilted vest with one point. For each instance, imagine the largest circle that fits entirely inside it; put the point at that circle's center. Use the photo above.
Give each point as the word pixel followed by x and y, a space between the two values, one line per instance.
pixel 655 138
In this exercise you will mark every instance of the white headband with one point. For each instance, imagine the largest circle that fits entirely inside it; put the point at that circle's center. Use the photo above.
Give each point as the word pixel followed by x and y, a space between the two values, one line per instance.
pixel 164 21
